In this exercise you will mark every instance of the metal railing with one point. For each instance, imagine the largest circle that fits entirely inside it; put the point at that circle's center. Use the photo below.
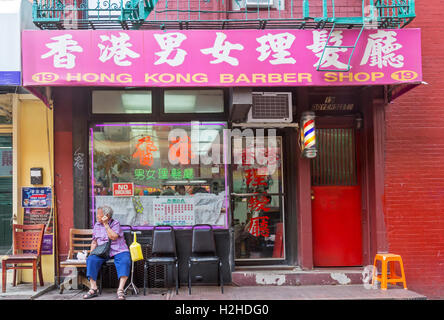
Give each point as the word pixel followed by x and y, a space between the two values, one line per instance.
pixel 215 14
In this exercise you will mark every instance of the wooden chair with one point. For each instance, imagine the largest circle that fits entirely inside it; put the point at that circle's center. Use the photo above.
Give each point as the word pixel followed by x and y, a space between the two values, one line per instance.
pixel 28 238
pixel 79 240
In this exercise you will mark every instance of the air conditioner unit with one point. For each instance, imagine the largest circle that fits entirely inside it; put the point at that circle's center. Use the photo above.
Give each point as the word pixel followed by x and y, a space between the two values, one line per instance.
pixel 271 107
pixel 260 3
pixel 120 133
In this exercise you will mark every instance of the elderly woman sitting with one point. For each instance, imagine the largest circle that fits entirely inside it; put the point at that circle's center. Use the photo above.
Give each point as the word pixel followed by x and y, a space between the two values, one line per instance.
pixel 108 228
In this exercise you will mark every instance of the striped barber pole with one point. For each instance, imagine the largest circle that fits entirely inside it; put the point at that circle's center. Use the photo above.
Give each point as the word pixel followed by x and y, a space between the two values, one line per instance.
pixel 308 135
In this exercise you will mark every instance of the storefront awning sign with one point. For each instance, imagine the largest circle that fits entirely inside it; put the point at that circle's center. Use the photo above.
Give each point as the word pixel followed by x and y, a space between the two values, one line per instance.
pixel 201 58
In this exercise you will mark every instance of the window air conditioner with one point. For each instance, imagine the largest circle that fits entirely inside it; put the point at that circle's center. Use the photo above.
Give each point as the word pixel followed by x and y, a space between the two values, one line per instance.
pixel 120 133
pixel 271 107
pixel 260 3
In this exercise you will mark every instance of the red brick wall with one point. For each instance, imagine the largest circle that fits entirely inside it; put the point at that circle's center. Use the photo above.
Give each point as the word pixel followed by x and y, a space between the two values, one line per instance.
pixel 414 164
pixel 173 10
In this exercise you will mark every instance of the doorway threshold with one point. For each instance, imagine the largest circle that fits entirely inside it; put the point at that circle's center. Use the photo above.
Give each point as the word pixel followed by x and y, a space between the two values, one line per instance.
pixel 262 268
pixel 295 276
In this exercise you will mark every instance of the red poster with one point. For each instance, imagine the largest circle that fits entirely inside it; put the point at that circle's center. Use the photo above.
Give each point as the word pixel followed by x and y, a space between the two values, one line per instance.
pixel 123 189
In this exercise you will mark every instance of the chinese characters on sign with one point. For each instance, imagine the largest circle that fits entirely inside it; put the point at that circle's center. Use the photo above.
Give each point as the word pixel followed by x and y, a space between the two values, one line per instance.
pixel 223 58
pixel 62 51
pixel 257 205
pixel 171 53
pixel 331 55
pixel 118 49
pixel 177 211
pixel 278 44
pixel 380 50
pixel 144 151
pixel 259 226
pixel 36 197
pixel 163 173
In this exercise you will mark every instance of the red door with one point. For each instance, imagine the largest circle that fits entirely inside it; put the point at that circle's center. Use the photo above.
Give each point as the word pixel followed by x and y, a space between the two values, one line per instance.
pixel 336 199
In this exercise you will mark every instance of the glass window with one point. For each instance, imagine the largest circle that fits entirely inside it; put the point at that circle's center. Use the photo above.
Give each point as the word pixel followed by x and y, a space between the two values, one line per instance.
pixel 258 210
pixel 5 109
pixel 5 192
pixel 194 101
pixel 174 174
pixel 110 101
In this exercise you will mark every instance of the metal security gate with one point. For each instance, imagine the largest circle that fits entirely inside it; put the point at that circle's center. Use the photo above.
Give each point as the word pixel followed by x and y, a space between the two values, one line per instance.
pixel 5 193
pixel 336 204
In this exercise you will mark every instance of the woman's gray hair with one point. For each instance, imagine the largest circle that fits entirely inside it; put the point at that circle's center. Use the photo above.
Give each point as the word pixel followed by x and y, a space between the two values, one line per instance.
pixel 107 211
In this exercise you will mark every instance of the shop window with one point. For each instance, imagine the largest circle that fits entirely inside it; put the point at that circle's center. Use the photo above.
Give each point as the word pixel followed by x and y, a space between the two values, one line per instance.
pixel 194 101
pixel 258 208
pixel 110 101
pixel 6 162
pixel 160 173
pixel 5 109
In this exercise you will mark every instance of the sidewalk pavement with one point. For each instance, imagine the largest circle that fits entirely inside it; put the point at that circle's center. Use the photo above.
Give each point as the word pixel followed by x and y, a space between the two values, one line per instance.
pixel 22 291
pixel 317 292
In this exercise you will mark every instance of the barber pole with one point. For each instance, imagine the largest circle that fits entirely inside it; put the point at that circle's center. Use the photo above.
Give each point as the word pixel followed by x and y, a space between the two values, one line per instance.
pixel 308 135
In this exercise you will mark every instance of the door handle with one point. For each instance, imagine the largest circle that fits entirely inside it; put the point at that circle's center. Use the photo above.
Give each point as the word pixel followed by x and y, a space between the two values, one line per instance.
pixel 312 195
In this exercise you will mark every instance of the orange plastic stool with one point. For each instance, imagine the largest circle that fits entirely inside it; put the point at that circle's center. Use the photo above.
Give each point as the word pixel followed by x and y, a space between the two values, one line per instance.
pixel 388 259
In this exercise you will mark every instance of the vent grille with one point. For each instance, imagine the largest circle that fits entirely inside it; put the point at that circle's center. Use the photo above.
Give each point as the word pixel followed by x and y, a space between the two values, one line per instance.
pixel 335 164
pixel 259 3
pixel 270 106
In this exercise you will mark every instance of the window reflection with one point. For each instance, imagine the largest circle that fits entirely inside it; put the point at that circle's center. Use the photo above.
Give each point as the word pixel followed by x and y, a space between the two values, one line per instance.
pixel 114 101
pixel 168 172
pixel 194 101
pixel 258 209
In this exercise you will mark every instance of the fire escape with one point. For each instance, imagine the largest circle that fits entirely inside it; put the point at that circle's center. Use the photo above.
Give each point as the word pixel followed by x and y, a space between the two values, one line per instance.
pixel 226 14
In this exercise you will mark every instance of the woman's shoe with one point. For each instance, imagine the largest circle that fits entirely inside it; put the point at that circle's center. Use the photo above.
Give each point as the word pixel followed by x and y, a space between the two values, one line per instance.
pixel 92 293
pixel 120 295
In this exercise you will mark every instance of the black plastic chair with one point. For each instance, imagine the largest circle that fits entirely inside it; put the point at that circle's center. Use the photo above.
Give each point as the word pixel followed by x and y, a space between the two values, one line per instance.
pixel 163 252
pixel 204 251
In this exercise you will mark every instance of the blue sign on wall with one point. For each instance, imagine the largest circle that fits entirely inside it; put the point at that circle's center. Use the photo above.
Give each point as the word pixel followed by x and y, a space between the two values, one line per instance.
pixel 10 78
pixel 36 197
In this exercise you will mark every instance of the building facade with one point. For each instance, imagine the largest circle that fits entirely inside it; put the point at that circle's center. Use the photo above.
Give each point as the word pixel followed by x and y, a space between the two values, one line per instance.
pixel 412 168
pixel 158 120
pixel 26 140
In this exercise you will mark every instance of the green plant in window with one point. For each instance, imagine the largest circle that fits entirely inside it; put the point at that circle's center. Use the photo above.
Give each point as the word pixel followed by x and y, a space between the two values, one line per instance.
pixel 108 167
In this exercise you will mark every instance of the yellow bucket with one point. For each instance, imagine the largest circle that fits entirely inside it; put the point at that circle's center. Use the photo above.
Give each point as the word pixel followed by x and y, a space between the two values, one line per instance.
pixel 136 250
